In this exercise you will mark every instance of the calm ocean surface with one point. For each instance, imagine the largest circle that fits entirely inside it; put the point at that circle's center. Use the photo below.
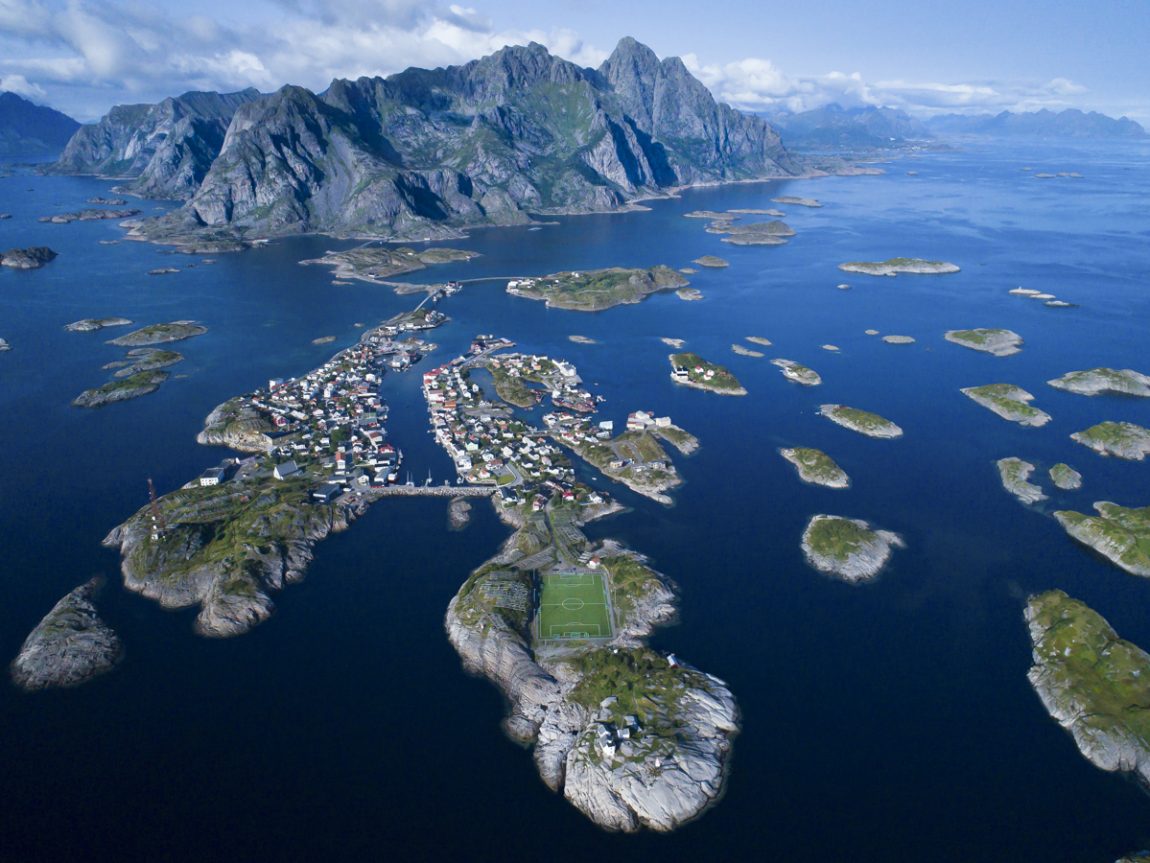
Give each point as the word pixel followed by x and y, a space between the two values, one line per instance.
pixel 891 721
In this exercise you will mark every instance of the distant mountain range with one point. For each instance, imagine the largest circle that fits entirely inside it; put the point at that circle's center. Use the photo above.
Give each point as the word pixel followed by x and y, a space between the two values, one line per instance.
pixel 833 127
pixel 428 152
pixel 1070 123
pixel 31 132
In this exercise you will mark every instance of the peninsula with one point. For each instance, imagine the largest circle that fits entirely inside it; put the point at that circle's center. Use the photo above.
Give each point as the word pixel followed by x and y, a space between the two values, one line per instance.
pixel 691 370
pixel 1015 475
pixel 596 290
pixel 71 645
pixel 998 342
pixel 1093 683
pixel 848 548
pixel 863 422
pixel 1120 439
pixel 816 467
pixel 895 266
pixel 1009 402
pixel 798 373
pixel 1120 534
pixel 1104 381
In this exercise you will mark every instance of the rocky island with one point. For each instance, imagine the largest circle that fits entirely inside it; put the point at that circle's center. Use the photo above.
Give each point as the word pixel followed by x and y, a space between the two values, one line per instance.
pixel 744 351
pixel 90 325
pixel 71 645
pixel 27 259
pixel 144 360
pixel 848 548
pixel 158 334
pixel 691 370
pixel 798 373
pixel 1104 381
pixel 797 202
pixel 1120 534
pixel 773 233
pixel 1120 439
pixel 816 467
pixel 894 266
pixel 1009 402
pixel 712 262
pixel 1065 477
pixel 898 340
pixel 998 342
pixel 88 216
pixel 376 264
pixel 1093 683
pixel 139 383
pixel 863 422
pixel 596 290
pixel 1015 475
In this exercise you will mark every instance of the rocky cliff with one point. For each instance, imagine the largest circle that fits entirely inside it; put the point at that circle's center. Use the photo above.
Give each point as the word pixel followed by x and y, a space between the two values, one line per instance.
pixel 162 150
pixel 426 153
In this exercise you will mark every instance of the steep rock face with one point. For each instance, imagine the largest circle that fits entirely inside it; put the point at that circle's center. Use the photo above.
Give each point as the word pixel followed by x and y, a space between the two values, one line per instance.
pixel 164 149
pixel 424 153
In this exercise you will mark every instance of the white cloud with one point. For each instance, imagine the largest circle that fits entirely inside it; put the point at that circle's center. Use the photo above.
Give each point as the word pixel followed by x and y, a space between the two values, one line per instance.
pixel 21 86
pixel 84 55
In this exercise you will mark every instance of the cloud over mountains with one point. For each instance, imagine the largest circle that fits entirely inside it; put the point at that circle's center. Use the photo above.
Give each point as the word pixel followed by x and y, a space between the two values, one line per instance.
pixel 82 56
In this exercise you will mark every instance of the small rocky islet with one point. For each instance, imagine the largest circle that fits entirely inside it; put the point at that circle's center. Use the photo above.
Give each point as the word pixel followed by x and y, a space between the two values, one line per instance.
pixel 1015 475
pixel 863 422
pixel 1065 477
pixel 31 258
pixel 1123 440
pixel 1095 684
pixel 798 373
pixel 157 334
pixel 847 548
pixel 816 467
pixel 997 342
pixel 1120 534
pixel 1104 381
pixel 1009 402
pixel 691 370
pixel 91 325
pixel 70 645
pixel 897 266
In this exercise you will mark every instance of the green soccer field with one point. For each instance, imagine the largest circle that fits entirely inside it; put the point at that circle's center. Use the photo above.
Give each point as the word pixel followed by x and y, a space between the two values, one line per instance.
pixel 574 606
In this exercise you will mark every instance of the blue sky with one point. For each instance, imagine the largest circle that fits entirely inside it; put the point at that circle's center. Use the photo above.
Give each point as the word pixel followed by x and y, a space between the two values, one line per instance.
pixel 925 56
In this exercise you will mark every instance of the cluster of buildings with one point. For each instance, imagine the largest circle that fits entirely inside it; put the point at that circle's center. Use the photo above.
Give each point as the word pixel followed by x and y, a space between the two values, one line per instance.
pixel 486 443
pixel 332 420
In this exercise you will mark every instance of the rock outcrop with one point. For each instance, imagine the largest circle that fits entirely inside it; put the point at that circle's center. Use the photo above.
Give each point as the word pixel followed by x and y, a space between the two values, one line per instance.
pixel 848 548
pixel 71 645
pixel 236 424
pixel 1104 381
pixel 1015 475
pixel 27 259
pixel 1120 534
pixel 1095 684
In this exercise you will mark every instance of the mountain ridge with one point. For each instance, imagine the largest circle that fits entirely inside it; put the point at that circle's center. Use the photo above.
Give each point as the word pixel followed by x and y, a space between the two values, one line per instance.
pixel 31 131
pixel 431 152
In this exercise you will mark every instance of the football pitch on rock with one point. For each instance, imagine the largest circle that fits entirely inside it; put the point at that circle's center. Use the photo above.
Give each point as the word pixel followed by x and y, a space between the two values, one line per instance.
pixel 574 605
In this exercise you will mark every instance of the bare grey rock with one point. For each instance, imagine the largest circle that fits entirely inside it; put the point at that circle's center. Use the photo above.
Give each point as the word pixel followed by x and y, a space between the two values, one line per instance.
pixel 71 645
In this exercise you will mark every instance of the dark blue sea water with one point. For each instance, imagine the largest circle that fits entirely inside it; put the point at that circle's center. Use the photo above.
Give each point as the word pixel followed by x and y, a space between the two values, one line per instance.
pixel 886 722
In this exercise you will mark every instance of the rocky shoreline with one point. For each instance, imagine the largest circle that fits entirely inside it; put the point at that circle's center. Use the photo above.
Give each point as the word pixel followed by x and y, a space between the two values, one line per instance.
pixel 1015 475
pixel 667 769
pixel 848 548
pixel 1093 683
